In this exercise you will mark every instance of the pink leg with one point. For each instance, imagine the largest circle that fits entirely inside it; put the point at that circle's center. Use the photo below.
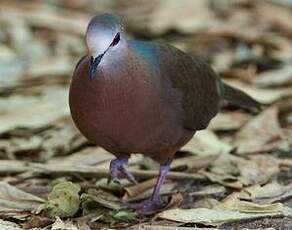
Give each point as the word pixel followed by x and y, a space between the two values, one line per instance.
pixel 154 202
pixel 119 165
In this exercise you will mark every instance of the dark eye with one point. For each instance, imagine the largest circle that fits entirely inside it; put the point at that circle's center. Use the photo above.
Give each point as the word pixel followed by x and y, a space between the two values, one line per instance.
pixel 116 39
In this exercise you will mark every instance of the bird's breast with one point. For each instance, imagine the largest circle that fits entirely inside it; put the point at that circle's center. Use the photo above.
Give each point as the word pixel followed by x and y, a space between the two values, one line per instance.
pixel 122 112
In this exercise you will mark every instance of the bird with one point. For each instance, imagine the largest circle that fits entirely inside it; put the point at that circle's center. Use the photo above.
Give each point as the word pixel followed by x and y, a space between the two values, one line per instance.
pixel 130 96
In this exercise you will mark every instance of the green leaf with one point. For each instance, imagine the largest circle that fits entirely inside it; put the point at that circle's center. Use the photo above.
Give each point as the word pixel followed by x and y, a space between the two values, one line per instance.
pixel 123 215
pixel 64 200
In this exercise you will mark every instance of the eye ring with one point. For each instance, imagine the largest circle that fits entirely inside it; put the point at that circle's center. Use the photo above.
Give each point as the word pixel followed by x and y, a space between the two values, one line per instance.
pixel 116 40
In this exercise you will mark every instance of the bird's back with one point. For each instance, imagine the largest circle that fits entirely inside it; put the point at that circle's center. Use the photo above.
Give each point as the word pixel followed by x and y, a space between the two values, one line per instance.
pixel 199 85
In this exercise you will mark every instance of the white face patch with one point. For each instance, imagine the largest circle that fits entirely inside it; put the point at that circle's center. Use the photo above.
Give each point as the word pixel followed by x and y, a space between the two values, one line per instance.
pixel 101 34
pixel 98 42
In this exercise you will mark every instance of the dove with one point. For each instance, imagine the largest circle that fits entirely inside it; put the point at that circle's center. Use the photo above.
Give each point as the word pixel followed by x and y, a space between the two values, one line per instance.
pixel 130 96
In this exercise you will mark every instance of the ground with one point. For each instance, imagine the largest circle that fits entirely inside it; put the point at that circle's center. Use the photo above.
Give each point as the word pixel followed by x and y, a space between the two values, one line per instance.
pixel 236 174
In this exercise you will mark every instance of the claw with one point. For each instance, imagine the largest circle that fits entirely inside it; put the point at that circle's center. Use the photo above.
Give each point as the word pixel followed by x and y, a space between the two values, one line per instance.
pixel 154 203
pixel 147 207
pixel 118 165
pixel 128 175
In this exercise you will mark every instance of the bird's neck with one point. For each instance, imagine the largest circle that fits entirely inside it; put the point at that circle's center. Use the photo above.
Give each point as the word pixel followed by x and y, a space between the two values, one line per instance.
pixel 118 64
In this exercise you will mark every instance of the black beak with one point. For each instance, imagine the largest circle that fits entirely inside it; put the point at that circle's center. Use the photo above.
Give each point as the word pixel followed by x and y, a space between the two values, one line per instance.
pixel 93 65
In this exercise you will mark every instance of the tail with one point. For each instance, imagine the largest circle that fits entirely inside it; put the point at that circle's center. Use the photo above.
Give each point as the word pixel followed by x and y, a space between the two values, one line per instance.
pixel 239 98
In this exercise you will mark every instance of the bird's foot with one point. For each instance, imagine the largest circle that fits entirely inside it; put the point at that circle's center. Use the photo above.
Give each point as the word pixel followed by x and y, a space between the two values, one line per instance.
pixel 119 166
pixel 147 207
pixel 154 203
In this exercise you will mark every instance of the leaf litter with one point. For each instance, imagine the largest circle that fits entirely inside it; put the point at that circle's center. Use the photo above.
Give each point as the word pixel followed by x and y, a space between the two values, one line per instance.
pixel 236 171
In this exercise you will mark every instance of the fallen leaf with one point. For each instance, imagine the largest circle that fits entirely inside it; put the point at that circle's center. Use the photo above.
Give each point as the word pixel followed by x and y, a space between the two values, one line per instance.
pixel 61 225
pixel 209 190
pixel 206 142
pixel 167 188
pixel 12 198
pixel 257 170
pixel 101 198
pixel 159 16
pixel 229 210
pixel 37 221
pixel 212 217
pixel 137 189
pixel 63 201
pixel 260 134
pixel 193 162
pixel 39 116
pixel 112 186
pixel 7 225
pixel 273 78
pixel 269 193
pixel 226 180
pixel 228 121
pixel 175 201
pixel 123 215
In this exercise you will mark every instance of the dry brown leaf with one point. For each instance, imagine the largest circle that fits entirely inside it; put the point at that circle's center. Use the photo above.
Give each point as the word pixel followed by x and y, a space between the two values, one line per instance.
pixel 228 121
pixel 8 225
pixel 166 189
pixel 206 142
pixel 60 224
pixel 279 77
pixel 91 156
pixel 260 134
pixel 160 16
pixel 42 114
pixel 60 21
pixel 258 170
pixel 137 189
pixel 270 193
pixel 226 180
pixel 209 190
pixel 175 201
pixel 12 198
pixel 102 198
pixel 193 162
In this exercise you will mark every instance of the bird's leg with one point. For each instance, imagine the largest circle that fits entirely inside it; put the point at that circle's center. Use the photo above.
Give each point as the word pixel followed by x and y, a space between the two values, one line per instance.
pixel 119 165
pixel 161 178
pixel 154 202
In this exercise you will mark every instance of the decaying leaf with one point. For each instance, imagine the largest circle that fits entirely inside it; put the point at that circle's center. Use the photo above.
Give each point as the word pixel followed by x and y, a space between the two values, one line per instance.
pixel 257 170
pixel 12 198
pixel 64 200
pixel 123 215
pixel 260 134
pixel 209 190
pixel 193 162
pixel 277 77
pixel 270 193
pixel 101 198
pixel 60 224
pixel 228 121
pixel 166 188
pixel 7 225
pixel 206 143
pixel 160 16
pixel 209 216
pixel 112 186
pixel 235 210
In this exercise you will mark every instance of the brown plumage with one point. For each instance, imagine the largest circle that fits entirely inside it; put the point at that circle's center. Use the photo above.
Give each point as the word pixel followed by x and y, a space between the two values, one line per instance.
pixel 130 97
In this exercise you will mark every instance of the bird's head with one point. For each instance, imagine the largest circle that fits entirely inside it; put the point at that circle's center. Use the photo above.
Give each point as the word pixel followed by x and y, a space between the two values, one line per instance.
pixel 104 33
